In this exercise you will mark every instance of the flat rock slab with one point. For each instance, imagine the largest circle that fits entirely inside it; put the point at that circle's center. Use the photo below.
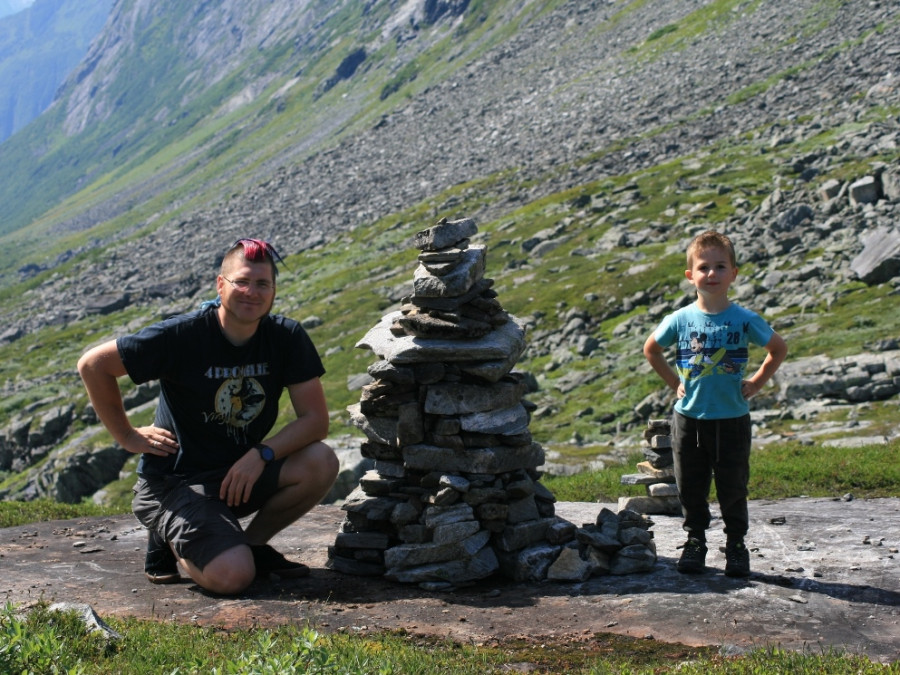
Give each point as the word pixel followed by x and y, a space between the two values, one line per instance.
pixel 826 574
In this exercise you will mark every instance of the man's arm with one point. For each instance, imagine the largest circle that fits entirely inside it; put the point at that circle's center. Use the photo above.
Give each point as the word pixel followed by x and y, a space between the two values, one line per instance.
pixel 777 351
pixel 308 400
pixel 310 425
pixel 100 369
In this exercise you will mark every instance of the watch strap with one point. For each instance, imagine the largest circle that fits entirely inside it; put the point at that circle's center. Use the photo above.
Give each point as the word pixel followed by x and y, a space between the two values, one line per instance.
pixel 265 452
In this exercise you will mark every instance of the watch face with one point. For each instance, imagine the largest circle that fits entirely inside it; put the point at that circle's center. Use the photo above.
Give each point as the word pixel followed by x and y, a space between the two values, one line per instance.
pixel 266 453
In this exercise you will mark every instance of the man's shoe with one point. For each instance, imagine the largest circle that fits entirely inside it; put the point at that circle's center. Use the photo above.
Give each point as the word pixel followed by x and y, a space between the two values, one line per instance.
pixel 737 560
pixel 693 557
pixel 269 561
pixel 160 565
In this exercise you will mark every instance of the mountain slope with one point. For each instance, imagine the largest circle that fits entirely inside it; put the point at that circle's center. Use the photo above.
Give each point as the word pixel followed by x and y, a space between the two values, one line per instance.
pixel 588 140
pixel 172 85
pixel 39 46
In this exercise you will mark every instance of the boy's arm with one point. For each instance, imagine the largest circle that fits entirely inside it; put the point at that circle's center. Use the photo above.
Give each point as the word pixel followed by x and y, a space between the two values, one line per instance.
pixel 777 351
pixel 654 353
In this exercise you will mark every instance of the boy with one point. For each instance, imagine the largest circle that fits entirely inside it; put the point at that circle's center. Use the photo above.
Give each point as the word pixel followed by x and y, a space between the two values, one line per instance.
pixel 711 430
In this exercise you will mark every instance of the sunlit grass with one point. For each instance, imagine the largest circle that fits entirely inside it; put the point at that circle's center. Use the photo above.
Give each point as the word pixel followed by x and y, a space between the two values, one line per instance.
pixel 43 642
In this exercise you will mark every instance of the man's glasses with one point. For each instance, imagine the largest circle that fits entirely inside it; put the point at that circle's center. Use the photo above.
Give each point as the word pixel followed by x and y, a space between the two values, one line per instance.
pixel 244 285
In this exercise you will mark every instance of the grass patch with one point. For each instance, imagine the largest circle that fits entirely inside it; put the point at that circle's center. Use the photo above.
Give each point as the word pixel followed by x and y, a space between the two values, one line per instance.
pixel 43 642
pixel 41 510
pixel 777 471
pixel 594 486
pixel 783 470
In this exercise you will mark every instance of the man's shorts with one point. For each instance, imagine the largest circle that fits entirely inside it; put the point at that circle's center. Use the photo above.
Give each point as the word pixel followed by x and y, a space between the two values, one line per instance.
pixel 187 512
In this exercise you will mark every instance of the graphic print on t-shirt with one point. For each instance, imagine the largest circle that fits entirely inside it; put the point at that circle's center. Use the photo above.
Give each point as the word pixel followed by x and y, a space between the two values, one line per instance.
pixel 239 400
pixel 712 349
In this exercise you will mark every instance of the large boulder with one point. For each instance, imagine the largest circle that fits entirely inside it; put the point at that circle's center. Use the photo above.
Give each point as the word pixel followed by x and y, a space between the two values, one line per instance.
pixel 879 260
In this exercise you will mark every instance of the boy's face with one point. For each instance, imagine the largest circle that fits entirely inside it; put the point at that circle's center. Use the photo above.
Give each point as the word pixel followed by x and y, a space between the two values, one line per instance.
pixel 711 272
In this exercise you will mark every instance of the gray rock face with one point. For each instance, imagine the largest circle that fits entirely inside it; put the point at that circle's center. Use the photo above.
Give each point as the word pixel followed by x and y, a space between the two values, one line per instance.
pixel 454 495
pixel 851 379
pixel 879 261
pixel 496 352
pixel 445 235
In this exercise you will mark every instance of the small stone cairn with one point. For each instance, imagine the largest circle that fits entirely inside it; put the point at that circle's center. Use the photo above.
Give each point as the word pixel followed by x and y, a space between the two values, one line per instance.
pixel 454 495
pixel 656 472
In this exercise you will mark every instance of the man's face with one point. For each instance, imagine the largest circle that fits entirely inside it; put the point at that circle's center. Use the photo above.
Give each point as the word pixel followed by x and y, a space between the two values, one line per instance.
pixel 247 290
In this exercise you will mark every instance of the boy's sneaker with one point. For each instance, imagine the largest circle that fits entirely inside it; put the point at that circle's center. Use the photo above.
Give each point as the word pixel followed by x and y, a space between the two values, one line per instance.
pixel 693 557
pixel 269 561
pixel 737 559
pixel 160 565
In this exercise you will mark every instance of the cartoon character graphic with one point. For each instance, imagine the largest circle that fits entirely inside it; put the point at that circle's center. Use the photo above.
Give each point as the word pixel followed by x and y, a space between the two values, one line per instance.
pixel 700 360
pixel 238 402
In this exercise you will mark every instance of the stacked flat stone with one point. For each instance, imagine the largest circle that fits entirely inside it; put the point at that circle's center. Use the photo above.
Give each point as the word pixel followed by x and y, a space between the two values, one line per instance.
pixel 454 495
pixel 656 472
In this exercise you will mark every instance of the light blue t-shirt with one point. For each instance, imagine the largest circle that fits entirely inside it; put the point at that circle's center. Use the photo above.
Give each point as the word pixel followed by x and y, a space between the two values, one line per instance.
pixel 712 356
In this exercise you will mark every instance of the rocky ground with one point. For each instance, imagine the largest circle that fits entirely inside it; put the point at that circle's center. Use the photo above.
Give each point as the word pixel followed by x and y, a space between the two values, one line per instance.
pixel 825 575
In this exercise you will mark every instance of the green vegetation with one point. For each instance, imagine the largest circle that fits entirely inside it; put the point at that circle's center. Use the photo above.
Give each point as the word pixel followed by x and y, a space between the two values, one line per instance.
pixel 659 32
pixel 777 471
pixel 21 513
pixel 57 642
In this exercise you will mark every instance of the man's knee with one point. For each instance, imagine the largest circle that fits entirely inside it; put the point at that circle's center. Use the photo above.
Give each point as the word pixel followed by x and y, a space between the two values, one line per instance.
pixel 329 462
pixel 228 573
pixel 320 462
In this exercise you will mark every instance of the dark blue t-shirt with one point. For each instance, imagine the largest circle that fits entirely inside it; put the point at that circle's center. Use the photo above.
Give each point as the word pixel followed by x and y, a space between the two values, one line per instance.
pixel 218 399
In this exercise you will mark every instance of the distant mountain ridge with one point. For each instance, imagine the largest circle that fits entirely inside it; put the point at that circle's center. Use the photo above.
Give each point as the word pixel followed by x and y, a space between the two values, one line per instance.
pixel 8 7
pixel 163 71
pixel 40 44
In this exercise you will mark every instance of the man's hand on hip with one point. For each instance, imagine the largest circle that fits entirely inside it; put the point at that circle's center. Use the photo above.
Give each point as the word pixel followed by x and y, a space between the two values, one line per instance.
pixel 151 441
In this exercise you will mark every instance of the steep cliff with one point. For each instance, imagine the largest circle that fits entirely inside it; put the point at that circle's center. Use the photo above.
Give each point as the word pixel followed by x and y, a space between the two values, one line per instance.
pixel 39 47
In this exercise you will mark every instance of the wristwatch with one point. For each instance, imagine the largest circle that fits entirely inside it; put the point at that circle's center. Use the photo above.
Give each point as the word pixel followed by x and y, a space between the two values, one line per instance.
pixel 267 453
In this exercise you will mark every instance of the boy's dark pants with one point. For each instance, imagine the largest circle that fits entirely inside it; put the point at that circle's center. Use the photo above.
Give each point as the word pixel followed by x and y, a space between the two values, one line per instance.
pixel 704 449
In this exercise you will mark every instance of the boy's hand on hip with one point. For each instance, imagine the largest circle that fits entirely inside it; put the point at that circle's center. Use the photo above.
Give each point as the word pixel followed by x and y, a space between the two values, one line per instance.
pixel 749 389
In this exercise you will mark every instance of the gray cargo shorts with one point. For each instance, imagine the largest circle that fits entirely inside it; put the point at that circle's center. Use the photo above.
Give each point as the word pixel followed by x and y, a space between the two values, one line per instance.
pixel 186 511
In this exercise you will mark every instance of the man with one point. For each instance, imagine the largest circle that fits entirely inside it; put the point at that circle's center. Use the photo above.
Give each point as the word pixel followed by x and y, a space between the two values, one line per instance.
pixel 207 459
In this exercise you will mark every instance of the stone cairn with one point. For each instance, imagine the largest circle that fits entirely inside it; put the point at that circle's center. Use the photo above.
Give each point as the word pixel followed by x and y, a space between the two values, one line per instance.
pixel 656 472
pixel 454 495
